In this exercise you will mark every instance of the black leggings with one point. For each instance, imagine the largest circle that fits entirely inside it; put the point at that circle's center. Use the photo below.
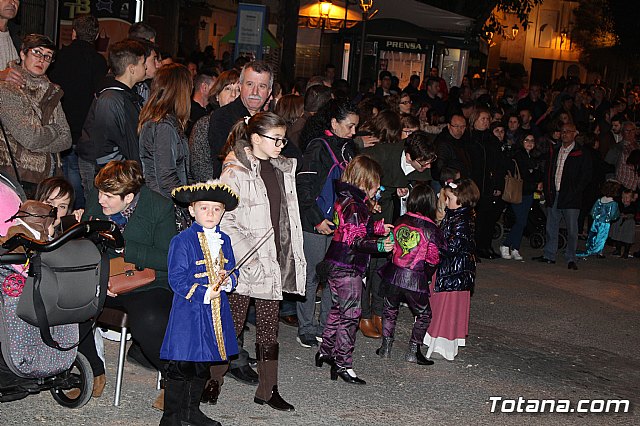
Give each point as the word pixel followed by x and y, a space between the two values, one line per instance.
pixel 148 313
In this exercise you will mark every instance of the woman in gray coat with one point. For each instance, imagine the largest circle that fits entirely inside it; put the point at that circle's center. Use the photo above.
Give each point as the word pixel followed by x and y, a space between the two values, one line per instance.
pixel 164 150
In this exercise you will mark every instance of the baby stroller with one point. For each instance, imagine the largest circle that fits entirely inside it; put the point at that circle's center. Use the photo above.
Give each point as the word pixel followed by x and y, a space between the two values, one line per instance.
pixel 535 228
pixel 38 346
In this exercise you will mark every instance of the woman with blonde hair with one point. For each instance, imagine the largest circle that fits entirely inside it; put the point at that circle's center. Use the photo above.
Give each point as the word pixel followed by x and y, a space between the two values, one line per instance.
pixel 164 150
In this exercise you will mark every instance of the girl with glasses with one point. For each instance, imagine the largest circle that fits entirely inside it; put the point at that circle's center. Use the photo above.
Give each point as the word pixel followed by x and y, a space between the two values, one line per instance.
pixel 265 182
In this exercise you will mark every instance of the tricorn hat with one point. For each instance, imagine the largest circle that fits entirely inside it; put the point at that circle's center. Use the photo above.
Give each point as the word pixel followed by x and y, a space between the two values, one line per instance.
pixel 213 190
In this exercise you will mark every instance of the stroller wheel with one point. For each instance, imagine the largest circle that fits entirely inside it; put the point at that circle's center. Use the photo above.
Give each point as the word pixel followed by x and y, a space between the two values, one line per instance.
pixel 498 231
pixel 536 240
pixel 562 240
pixel 80 376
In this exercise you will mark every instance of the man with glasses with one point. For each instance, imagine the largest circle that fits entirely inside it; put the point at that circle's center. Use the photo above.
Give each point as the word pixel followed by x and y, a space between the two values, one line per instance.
pixel 256 81
pixel 567 174
pixel 451 148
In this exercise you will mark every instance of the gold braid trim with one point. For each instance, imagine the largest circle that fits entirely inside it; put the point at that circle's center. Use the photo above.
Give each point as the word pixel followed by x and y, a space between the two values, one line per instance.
pixel 192 290
pixel 215 303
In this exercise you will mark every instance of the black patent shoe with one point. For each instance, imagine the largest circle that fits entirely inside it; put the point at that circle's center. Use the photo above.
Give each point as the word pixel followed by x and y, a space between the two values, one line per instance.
pixel 211 393
pixel 343 373
pixel 321 359
pixel 276 402
pixel 421 360
pixel 244 374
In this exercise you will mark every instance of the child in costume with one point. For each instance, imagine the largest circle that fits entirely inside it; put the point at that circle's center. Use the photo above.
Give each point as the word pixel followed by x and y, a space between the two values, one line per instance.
pixel 407 275
pixel 356 236
pixel 455 277
pixel 604 211
pixel 200 329
pixel 623 231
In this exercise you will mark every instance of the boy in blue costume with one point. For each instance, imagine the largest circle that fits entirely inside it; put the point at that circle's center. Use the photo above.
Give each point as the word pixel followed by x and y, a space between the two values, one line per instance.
pixel 200 331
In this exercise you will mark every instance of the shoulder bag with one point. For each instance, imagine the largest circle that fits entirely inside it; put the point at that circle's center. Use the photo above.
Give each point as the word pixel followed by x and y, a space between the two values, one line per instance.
pixel 513 186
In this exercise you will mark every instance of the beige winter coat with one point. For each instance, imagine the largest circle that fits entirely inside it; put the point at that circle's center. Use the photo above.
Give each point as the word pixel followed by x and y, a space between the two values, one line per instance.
pixel 267 273
pixel 35 125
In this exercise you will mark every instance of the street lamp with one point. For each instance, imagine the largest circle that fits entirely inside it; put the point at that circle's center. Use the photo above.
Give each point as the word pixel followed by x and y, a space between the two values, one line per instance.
pixel 324 9
pixel 365 5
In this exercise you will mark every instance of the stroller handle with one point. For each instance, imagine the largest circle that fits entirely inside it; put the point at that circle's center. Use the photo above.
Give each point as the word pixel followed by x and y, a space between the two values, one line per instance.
pixel 107 230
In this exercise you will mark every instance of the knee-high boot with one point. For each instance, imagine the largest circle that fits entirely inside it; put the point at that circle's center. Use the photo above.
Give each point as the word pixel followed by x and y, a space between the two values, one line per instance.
pixel 267 392
pixel 174 391
pixel 192 415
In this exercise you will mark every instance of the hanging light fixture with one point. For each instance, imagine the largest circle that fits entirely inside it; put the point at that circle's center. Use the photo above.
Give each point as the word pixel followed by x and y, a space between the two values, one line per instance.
pixel 515 30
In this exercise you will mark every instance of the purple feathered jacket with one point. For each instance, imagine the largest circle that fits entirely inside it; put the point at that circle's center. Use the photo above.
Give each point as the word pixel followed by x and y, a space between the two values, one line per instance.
pixel 356 235
pixel 416 253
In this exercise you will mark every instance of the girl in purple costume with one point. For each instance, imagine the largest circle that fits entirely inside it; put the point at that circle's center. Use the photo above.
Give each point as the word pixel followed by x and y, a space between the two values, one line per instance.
pixel 356 236
pixel 416 255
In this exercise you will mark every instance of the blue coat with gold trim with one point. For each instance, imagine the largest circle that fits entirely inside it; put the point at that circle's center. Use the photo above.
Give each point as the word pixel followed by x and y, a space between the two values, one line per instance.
pixel 191 334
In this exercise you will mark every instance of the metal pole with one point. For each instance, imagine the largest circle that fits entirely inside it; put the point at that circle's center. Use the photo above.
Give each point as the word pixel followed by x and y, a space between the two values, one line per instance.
pixel 362 36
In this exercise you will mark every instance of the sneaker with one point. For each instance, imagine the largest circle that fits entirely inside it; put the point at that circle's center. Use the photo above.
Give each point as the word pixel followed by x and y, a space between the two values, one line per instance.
pixel 504 252
pixel 515 255
pixel 307 340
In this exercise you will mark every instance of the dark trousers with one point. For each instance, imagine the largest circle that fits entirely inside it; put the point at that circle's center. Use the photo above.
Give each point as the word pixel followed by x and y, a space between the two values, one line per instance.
pixel 371 300
pixel 420 307
pixel 72 174
pixel 148 313
pixel 339 335
pixel 488 212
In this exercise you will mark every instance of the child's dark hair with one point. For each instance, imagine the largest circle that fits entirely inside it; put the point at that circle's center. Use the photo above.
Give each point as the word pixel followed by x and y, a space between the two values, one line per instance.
pixel 448 174
pixel 419 147
pixel 46 188
pixel 466 190
pixel 260 123
pixel 422 200
pixel 610 188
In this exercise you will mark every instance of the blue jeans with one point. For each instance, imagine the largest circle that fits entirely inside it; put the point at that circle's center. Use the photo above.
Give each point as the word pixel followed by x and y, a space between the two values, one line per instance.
pixel 521 212
pixel 554 215
pixel 72 174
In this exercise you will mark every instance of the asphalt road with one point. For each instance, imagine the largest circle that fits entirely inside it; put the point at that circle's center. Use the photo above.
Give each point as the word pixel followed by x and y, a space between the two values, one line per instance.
pixel 536 332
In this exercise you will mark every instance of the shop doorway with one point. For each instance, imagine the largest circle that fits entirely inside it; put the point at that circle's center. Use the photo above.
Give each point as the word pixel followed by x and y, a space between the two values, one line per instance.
pixel 402 64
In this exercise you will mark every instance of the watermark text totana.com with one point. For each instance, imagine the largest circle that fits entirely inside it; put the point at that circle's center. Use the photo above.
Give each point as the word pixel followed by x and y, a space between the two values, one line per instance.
pixel 500 404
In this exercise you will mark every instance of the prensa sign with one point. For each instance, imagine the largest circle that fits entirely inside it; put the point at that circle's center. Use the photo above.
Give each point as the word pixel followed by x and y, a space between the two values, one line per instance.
pixel 405 46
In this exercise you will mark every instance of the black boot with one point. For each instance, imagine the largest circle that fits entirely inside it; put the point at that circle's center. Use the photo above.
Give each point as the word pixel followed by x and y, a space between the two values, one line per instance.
pixel 267 392
pixel 192 415
pixel 384 351
pixel 173 395
pixel 415 355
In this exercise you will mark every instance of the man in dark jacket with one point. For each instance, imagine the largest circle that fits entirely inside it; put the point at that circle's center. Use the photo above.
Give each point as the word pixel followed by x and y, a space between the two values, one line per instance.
pixel 78 69
pixel 451 149
pixel 256 80
pixel 567 174
pixel 110 129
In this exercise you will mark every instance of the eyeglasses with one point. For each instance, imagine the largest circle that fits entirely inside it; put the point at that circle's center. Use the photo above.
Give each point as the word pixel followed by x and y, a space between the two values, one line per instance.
pixel 458 126
pixel 564 132
pixel 278 141
pixel 425 163
pixel 38 54
pixel 408 131
pixel 406 102
pixel 529 140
